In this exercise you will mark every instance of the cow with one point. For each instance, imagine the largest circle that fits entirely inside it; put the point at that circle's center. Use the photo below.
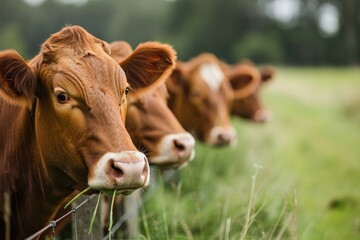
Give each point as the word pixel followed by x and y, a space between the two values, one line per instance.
pixel 155 130
pixel 201 98
pixel 62 124
pixel 152 127
pixel 151 124
pixel 247 81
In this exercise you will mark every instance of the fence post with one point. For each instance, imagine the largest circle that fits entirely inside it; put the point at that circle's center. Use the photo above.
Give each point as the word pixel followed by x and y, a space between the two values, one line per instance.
pixel 83 219
pixel 131 204
pixel 7 214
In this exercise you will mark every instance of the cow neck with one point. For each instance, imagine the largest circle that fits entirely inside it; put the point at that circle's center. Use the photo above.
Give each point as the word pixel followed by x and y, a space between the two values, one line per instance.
pixel 34 200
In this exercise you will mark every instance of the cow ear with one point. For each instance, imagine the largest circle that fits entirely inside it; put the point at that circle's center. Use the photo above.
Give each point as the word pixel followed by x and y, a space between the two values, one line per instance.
pixel 244 80
pixel 120 50
pixel 267 73
pixel 17 79
pixel 176 80
pixel 149 65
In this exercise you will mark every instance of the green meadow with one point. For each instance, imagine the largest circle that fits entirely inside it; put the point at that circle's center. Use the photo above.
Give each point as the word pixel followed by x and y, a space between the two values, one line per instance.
pixel 295 177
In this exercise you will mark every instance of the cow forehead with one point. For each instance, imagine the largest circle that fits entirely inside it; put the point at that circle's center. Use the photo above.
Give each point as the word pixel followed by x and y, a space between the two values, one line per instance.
pixel 88 71
pixel 212 75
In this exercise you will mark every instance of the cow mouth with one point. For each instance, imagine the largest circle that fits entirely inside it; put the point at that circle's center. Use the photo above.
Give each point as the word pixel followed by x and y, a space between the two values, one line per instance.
pixel 122 191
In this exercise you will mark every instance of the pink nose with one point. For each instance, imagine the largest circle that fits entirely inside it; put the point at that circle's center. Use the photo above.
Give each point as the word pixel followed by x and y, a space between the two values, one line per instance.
pixel 183 145
pixel 128 172
pixel 262 115
pixel 222 136
pixel 124 171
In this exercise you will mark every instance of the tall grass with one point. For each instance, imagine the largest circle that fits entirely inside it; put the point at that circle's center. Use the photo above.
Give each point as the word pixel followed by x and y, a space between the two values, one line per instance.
pixel 307 187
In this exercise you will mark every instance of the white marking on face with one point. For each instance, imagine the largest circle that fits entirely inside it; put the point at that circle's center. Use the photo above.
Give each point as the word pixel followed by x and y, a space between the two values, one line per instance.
pixel 212 75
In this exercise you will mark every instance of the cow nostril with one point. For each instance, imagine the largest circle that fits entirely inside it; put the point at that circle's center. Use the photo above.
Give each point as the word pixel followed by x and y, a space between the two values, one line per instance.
pixel 146 169
pixel 224 139
pixel 118 172
pixel 179 146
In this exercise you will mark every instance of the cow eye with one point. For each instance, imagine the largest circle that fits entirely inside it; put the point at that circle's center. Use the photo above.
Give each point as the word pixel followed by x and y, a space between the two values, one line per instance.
pixel 127 90
pixel 62 97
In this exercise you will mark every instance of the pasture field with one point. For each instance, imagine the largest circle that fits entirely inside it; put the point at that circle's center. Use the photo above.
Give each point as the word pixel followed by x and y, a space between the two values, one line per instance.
pixel 296 177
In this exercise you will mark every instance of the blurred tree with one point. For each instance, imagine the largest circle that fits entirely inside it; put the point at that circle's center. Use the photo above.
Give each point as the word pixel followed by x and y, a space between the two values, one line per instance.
pixel 350 16
pixel 263 47
pixel 10 38
pixel 349 26
pixel 137 21
pixel 214 26
pixel 231 29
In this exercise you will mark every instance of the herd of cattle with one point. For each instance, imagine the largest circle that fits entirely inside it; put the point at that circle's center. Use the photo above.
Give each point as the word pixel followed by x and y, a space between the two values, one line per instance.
pixel 79 112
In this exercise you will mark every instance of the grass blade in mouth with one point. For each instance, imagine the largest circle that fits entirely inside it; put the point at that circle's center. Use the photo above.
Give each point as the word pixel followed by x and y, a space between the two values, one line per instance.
pixel 76 197
pixel 94 214
pixel 111 213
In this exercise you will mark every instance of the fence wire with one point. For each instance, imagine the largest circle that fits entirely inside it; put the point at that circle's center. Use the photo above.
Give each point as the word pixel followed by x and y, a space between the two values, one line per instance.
pixel 121 220
pixel 53 223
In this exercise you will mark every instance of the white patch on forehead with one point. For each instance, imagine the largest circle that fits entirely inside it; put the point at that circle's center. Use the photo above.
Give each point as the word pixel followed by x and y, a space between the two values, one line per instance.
pixel 212 75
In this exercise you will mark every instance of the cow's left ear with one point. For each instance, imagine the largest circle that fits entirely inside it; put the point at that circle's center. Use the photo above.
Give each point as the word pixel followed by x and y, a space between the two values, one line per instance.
pixel 267 73
pixel 149 65
pixel 17 79
pixel 176 80
pixel 120 50
pixel 244 80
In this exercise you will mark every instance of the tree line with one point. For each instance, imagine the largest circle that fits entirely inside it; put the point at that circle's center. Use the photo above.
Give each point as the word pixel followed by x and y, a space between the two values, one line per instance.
pixel 231 29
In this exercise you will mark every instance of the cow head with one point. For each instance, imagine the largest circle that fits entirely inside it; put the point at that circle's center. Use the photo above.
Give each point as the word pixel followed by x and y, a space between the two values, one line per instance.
pixel 77 95
pixel 151 124
pixel 201 97
pixel 247 81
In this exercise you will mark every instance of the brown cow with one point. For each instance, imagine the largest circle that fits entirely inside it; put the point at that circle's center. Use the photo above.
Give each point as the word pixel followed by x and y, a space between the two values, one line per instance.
pixel 151 124
pixel 201 97
pixel 61 124
pixel 154 129
pixel 247 82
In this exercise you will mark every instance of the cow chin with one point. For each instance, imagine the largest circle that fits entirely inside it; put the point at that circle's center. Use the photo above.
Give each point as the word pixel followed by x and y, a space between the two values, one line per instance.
pixel 124 172
pixel 175 150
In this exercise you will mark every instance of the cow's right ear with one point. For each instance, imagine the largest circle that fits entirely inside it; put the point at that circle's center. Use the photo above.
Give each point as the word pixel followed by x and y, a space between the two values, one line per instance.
pixel 149 65
pixel 176 80
pixel 267 73
pixel 244 80
pixel 17 79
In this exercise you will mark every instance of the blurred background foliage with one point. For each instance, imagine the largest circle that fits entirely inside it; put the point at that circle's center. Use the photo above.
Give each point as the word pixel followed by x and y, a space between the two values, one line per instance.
pixel 288 32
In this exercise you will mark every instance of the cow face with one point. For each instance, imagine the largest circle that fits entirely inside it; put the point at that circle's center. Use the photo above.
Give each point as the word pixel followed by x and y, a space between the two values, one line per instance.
pixel 77 94
pixel 247 81
pixel 155 129
pixel 152 126
pixel 201 97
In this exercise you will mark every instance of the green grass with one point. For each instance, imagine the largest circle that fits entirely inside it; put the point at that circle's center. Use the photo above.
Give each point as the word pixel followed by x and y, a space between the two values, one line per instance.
pixel 296 177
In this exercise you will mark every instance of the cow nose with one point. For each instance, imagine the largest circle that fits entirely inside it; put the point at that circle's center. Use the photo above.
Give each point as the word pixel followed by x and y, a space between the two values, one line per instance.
pixel 124 171
pixel 184 145
pixel 123 168
pixel 174 150
pixel 222 136
pixel 262 115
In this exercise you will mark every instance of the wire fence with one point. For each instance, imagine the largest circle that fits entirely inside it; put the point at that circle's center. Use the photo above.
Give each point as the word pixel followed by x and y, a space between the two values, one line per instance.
pixel 128 213
pixel 52 224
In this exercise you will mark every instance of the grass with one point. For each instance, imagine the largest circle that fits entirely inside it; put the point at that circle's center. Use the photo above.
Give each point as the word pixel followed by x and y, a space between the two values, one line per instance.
pixel 296 177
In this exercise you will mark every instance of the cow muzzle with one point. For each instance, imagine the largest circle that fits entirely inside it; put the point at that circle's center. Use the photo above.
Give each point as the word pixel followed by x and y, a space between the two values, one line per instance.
pixel 175 150
pixel 125 171
pixel 262 116
pixel 222 136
